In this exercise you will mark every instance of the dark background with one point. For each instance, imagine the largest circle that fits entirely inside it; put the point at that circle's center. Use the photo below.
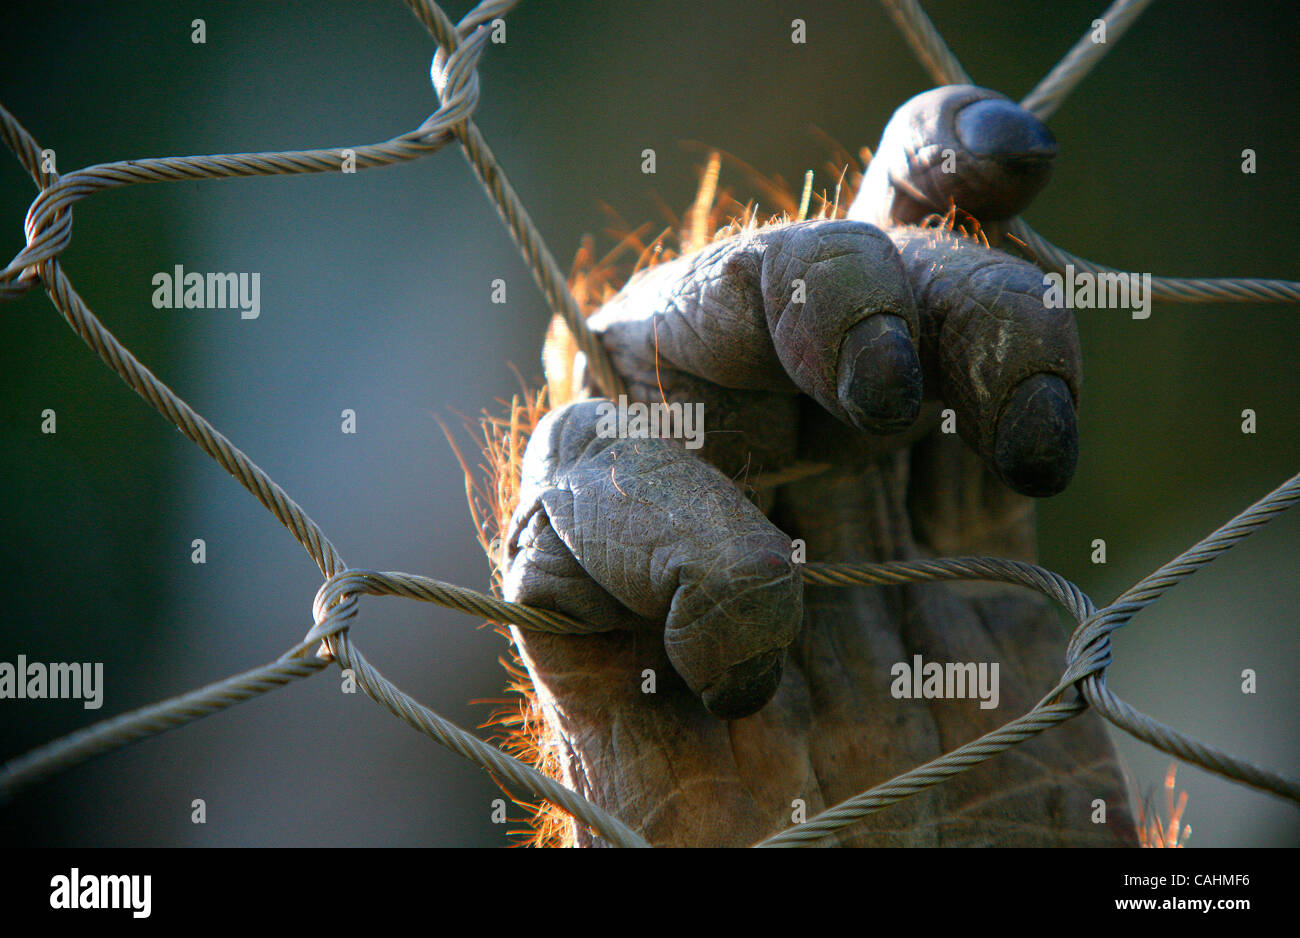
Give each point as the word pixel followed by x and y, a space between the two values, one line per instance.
pixel 375 296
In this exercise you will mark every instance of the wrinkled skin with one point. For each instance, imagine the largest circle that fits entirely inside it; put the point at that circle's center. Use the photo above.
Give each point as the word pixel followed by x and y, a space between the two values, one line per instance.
pixel 766 690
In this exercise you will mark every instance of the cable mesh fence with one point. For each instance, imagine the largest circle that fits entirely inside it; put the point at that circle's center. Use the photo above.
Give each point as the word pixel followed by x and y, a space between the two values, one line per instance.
pixel 454 77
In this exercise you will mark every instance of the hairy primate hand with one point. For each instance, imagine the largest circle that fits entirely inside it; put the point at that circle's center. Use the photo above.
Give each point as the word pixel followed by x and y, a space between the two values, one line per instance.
pixel 924 374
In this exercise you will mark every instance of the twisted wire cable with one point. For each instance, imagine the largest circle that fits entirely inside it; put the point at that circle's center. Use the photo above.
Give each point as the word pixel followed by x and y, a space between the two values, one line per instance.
pixel 48 229
pixel 1147 591
pixel 1173 289
pixel 997 569
pixel 926 776
pixel 541 262
pixel 1087 656
pixel 1082 58
pixel 48 224
pixel 163 399
pixel 520 776
pixel 114 733
pixel 1044 100
pixel 927 42
pixel 426 589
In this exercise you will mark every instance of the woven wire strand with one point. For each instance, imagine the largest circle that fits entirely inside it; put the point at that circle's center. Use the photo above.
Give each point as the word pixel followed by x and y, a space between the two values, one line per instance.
pixel 48 228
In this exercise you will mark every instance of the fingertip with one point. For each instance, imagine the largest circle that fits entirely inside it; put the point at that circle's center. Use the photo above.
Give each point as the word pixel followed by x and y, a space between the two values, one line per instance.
pixel 879 381
pixel 1015 151
pixel 1036 446
pixel 1002 130
pixel 746 687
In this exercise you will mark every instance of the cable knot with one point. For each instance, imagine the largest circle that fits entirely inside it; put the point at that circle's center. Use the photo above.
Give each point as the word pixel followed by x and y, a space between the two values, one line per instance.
pixel 1088 652
pixel 335 606
pixel 47 226
pixel 454 77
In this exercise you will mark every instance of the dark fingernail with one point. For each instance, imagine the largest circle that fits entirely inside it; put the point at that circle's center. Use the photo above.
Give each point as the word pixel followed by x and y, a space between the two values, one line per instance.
pixel 880 375
pixel 1000 130
pixel 1036 446
pixel 1018 144
pixel 746 688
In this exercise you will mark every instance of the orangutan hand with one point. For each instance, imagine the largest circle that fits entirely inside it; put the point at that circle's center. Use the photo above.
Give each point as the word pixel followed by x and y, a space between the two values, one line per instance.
pixel 724 690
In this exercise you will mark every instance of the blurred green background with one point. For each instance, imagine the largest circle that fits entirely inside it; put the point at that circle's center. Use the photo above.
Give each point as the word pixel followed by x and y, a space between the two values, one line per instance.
pixel 375 296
